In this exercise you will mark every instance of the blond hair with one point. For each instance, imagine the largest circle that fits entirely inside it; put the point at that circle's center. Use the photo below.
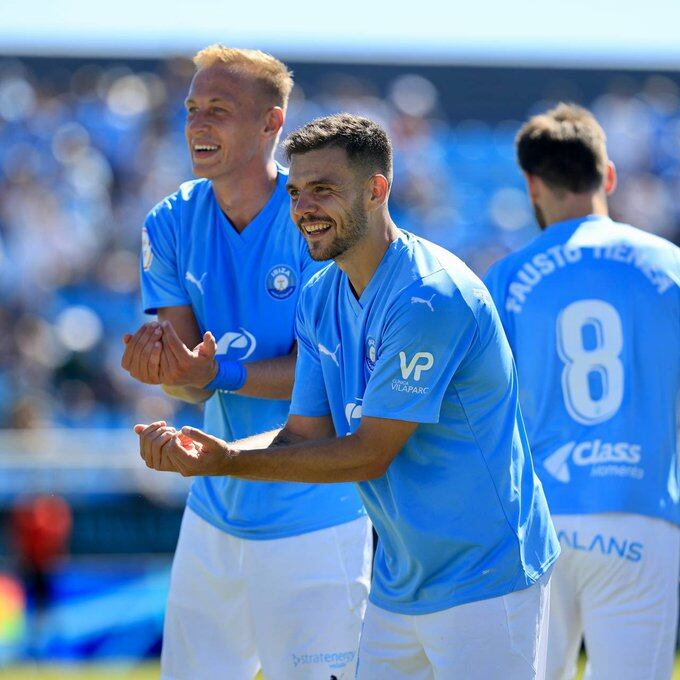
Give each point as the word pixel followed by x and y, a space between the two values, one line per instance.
pixel 270 73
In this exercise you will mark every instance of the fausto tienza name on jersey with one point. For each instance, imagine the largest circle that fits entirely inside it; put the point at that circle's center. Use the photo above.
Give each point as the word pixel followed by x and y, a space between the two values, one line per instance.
pixel 605 459
pixel 558 257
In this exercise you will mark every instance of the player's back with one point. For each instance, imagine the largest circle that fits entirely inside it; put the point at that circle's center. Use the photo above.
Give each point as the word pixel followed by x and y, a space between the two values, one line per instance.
pixel 592 311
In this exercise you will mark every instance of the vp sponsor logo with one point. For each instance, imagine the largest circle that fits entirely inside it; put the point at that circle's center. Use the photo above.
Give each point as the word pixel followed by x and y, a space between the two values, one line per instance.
pixel 419 363
pixel 605 459
pixel 241 344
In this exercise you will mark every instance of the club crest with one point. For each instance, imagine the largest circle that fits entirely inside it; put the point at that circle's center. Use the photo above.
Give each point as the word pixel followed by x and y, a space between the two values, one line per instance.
pixel 371 353
pixel 281 282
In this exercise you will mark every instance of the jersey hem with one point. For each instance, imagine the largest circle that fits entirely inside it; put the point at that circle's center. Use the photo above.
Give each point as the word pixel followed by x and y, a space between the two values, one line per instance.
pixel 416 610
pixel 268 536
pixel 424 419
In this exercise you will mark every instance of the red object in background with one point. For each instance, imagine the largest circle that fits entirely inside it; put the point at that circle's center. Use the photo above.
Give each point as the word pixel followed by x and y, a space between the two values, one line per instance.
pixel 41 528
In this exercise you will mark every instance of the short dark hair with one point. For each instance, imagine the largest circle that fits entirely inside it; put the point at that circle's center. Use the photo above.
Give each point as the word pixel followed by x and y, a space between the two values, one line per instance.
pixel 565 147
pixel 365 142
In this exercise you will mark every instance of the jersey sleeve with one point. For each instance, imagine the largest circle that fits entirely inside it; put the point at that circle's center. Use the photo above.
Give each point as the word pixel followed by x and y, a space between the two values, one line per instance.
pixel 309 391
pixel 161 283
pixel 426 338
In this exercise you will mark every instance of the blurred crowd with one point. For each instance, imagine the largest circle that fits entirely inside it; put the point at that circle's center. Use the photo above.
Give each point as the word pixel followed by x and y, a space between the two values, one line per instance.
pixel 86 151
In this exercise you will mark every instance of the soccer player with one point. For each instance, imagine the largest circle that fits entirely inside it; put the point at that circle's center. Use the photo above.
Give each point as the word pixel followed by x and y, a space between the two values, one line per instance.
pixel 592 312
pixel 265 575
pixel 405 384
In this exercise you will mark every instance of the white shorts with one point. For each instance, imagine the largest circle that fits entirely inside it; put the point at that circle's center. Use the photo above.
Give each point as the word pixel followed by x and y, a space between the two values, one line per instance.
pixel 502 638
pixel 616 584
pixel 291 606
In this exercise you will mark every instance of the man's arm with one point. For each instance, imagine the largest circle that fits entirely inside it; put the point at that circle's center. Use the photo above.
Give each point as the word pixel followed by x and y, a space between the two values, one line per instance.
pixel 267 379
pixel 293 454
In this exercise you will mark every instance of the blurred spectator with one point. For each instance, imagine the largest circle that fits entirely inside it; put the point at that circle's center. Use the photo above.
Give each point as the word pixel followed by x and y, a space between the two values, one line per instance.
pixel 40 530
pixel 86 148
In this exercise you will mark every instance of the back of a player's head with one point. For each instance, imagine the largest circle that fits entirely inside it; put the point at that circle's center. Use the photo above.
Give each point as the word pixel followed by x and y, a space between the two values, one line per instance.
pixel 565 147
pixel 366 144
pixel 271 74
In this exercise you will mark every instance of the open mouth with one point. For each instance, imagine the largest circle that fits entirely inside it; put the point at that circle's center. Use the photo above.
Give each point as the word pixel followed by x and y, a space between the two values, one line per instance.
pixel 204 150
pixel 316 228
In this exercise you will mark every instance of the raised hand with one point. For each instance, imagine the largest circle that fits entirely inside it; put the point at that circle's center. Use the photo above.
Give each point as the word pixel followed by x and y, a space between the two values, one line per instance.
pixel 142 355
pixel 180 366
pixel 190 452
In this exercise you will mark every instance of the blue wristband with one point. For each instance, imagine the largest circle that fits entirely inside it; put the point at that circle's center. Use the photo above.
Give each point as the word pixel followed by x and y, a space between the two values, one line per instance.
pixel 231 375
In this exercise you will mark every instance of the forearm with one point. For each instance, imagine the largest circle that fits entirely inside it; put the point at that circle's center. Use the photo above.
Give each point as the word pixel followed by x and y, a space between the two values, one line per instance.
pixel 337 459
pixel 192 395
pixel 270 378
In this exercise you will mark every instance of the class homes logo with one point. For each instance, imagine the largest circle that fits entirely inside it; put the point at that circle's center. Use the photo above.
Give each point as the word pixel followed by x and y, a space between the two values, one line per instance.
pixel 602 459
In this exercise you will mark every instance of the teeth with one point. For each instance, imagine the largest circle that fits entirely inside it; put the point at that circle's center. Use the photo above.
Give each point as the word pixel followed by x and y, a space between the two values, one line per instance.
pixel 316 227
pixel 205 147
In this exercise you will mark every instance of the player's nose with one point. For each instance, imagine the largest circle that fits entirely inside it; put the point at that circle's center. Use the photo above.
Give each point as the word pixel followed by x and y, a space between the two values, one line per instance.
pixel 303 204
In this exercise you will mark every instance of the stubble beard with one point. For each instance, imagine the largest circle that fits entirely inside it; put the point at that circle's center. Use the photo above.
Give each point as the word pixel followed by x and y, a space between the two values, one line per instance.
pixel 354 230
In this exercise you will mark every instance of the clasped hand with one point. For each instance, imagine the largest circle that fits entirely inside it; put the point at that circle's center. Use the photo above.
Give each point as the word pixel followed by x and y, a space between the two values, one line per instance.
pixel 188 451
pixel 155 355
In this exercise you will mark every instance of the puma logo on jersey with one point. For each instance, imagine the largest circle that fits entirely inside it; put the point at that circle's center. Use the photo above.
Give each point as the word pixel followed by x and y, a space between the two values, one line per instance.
pixel 333 355
pixel 197 282
pixel 422 301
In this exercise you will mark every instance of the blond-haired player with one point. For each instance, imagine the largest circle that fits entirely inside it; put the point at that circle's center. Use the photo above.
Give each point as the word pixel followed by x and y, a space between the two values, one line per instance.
pixel 265 574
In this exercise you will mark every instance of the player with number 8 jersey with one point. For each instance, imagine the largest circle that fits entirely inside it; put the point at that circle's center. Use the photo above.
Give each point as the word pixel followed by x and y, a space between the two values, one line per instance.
pixel 592 312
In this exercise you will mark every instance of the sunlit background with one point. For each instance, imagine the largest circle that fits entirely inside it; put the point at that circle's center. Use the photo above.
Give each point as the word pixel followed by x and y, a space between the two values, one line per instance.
pixel 91 138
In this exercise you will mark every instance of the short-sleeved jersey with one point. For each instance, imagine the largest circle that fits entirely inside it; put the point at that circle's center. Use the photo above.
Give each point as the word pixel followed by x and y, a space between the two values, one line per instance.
pixel 459 513
pixel 244 288
pixel 592 311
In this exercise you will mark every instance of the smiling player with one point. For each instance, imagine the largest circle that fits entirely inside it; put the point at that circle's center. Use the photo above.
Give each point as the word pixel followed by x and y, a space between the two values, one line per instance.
pixel 405 384
pixel 265 575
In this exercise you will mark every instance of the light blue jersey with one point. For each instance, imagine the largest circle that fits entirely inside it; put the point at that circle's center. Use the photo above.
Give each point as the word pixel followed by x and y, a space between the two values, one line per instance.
pixel 243 288
pixel 459 512
pixel 592 312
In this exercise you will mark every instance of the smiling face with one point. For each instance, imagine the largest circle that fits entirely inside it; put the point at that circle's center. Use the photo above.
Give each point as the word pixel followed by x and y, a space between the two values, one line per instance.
pixel 327 201
pixel 226 117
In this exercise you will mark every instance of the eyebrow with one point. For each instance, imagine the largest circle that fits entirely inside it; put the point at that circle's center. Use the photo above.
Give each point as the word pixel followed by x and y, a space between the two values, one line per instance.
pixel 315 182
pixel 212 100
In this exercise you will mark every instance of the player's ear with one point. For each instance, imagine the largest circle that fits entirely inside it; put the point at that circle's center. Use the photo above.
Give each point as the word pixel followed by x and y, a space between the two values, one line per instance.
pixel 274 120
pixel 610 178
pixel 379 188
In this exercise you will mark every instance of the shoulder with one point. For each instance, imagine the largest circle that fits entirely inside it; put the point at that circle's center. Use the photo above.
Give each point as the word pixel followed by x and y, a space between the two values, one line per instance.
pixel 189 195
pixel 441 285
pixel 656 246
pixel 316 290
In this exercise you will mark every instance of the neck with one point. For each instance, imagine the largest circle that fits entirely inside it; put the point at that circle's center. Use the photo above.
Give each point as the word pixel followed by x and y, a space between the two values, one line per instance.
pixel 363 258
pixel 574 206
pixel 242 196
